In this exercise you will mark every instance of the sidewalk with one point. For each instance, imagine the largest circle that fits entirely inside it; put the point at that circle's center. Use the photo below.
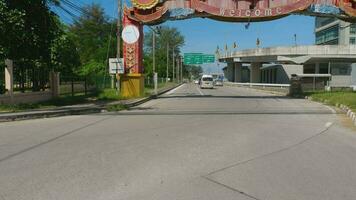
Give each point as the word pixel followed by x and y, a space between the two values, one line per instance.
pixel 76 109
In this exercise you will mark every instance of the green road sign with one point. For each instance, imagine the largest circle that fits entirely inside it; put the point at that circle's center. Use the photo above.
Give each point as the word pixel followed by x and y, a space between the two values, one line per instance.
pixel 198 58
pixel 208 58
pixel 193 58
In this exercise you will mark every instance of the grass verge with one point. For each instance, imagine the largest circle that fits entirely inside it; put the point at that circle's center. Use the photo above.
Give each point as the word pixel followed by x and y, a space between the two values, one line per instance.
pixel 333 98
pixel 105 95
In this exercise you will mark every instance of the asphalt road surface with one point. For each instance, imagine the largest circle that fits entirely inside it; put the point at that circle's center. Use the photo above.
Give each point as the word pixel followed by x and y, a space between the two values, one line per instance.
pixel 189 144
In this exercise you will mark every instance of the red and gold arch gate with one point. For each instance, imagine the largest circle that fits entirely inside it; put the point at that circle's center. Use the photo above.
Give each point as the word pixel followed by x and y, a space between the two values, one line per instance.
pixel 152 12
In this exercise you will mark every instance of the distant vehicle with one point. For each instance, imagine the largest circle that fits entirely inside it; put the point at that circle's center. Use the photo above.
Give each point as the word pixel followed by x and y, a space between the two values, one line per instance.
pixel 218 82
pixel 196 81
pixel 207 81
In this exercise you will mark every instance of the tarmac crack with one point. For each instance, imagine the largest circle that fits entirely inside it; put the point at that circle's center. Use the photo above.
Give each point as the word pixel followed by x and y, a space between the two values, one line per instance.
pixel 231 188
pixel 51 140
pixel 275 152
pixel 328 126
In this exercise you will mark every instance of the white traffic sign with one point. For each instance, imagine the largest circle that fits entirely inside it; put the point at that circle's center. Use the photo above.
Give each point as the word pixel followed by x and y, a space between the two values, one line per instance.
pixel 130 34
pixel 116 66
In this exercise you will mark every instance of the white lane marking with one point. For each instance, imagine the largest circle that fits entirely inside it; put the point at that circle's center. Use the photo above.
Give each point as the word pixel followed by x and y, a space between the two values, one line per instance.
pixel 328 124
pixel 174 90
pixel 201 93
pixel 331 109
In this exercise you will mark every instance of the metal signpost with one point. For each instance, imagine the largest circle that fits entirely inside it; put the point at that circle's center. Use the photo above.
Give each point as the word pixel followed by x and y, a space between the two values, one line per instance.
pixel 116 66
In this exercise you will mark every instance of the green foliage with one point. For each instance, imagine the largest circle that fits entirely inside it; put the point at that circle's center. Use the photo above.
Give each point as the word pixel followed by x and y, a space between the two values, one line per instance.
pixel 332 98
pixel 65 57
pixel 193 71
pixel 91 34
pixel 28 29
pixel 167 37
pixel 108 94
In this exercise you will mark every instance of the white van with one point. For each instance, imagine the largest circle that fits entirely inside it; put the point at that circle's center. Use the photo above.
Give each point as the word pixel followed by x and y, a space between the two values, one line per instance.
pixel 207 81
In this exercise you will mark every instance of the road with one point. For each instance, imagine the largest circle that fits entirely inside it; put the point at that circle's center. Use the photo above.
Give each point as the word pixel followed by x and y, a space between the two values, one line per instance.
pixel 225 143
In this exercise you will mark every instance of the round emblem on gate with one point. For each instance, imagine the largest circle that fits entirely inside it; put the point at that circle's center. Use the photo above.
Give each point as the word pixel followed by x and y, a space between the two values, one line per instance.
pixel 130 34
pixel 144 4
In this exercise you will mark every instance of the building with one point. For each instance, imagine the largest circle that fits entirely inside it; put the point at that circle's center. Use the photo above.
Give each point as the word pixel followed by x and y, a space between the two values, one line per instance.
pixel 332 31
pixel 330 64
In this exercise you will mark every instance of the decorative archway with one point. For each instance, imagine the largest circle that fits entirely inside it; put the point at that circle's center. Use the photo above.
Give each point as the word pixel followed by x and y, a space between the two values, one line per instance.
pixel 152 12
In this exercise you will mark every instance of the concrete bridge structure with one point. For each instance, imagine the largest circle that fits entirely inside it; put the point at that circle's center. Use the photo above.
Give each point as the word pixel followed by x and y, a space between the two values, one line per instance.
pixel 276 64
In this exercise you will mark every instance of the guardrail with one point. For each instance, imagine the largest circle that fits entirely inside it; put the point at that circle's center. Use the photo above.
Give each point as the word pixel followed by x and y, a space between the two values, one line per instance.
pixel 274 88
pixel 263 85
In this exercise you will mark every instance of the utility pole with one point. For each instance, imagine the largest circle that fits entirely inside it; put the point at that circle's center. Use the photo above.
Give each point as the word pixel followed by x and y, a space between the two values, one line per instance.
pixel 177 74
pixel 154 61
pixel 118 36
pixel 181 69
pixel 167 61
pixel 118 29
pixel 174 60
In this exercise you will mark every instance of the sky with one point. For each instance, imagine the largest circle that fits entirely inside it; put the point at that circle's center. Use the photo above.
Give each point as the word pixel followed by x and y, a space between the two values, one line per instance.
pixel 204 35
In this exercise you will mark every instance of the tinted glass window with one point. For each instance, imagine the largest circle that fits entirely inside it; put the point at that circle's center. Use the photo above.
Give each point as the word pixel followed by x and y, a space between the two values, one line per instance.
pixel 207 79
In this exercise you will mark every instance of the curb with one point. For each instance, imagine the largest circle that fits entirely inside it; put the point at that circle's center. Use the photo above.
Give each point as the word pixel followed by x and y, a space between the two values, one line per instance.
pixel 75 111
pixel 346 110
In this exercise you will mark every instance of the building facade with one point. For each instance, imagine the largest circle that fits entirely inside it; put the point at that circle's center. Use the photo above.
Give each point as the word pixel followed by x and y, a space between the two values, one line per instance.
pixel 332 31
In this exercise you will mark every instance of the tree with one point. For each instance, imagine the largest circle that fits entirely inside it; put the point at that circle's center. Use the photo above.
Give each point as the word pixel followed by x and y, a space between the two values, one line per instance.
pixel 193 71
pixel 167 36
pixel 65 56
pixel 95 36
pixel 28 29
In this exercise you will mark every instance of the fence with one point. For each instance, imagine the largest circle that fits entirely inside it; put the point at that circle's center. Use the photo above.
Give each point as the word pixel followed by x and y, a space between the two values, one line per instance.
pixel 149 81
pixel 72 85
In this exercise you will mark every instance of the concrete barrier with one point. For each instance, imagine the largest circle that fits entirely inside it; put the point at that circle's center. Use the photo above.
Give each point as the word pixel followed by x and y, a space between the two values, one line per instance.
pixel 30 97
pixel 279 88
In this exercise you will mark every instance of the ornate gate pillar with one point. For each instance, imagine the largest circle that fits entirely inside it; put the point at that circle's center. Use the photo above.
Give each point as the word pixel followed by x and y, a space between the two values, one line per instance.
pixel 132 82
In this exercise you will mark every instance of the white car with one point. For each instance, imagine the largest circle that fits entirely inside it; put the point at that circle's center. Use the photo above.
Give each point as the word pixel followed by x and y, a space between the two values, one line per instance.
pixel 196 82
pixel 218 83
pixel 207 81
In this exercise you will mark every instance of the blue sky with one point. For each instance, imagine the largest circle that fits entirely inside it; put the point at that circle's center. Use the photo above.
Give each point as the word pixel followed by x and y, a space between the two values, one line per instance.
pixel 204 35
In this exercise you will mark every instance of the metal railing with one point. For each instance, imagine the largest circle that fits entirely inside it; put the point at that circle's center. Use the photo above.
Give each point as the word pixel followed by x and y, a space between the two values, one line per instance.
pixel 263 85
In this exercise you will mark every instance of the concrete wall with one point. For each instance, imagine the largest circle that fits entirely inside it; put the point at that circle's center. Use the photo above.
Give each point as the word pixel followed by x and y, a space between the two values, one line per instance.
pixel 284 72
pixel 292 69
pixel 340 81
pixel 31 97
pixel 353 74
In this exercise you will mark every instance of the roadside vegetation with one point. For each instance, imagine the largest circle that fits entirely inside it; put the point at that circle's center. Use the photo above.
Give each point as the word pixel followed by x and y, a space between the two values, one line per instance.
pixel 333 98
pixel 40 42
pixel 102 96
